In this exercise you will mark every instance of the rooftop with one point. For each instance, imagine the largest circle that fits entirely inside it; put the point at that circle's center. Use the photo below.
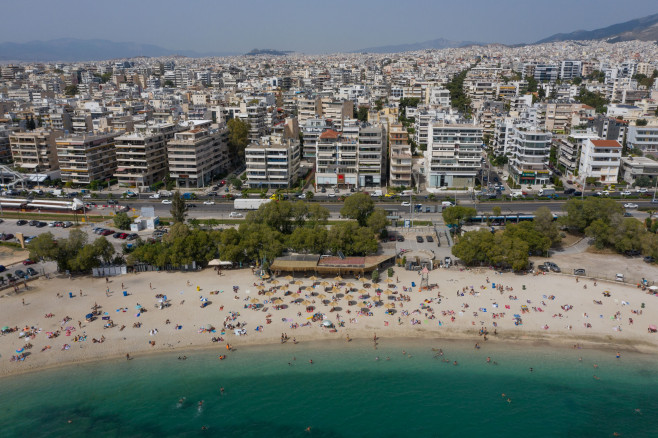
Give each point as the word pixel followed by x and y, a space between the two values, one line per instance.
pixel 606 143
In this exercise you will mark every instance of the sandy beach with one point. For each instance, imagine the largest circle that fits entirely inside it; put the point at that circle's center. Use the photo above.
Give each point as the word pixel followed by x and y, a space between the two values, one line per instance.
pixel 520 308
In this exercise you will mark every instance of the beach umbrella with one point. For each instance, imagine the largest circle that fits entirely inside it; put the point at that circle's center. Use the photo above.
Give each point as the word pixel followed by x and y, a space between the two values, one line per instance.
pixel 327 323
pixel 389 280
pixel 5 328
pixel 21 350
pixel 325 283
pixel 203 300
pixel 363 279
pixel 288 277
pixel 265 276
pixel 138 307
pixel 299 282
pixel 278 301
pixel 335 289
pixel 306 303
pixel 313 278
pixel 338 278
pixel 375 285
pixel 254 301
pixel 388 292
pixel 349 284
pixel 390 306
pixel 209 327
pixel 334 303
pixel 274 281
pixel 653 287
pixel 376 298
pixel 269 293
pixel 349 297
pixel 363 291
pixel 322 296
pixel 260 287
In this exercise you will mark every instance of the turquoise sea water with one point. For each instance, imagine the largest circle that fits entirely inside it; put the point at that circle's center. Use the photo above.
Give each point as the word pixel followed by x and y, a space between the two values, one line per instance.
pixel 345 393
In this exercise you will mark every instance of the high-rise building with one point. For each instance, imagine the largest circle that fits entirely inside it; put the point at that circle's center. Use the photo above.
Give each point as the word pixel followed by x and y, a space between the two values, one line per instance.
pixel 197 155
pixel 529 150
pixel 600 159
pixel 273 162
pixel 35 151
pixel 454 154
pixel 86 158
pixel 142 154
pixel 400 158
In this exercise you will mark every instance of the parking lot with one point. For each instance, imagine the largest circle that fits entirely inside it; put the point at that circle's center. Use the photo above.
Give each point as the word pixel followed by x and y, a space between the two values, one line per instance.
pixel 439 245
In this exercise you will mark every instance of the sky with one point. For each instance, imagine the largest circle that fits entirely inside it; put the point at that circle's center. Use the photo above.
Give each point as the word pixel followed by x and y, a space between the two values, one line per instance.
pixel 309 26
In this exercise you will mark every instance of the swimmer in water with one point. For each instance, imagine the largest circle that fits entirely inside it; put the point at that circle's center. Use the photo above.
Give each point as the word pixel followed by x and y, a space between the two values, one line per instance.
pixel 310 361
pixel 377 358
pixel 454 363
pixel 488 359
pixel 404 352
pixel 531 369
pixel 509 400
pixel 221 390
pixel 204 428
pixel 308 429
pixel 502 395
pixel 388 358
pixel 637 411
pixel 596 378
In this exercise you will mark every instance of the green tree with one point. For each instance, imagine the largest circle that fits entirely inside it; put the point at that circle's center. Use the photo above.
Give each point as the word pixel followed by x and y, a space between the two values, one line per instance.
pixel 178 208
pixel 122 221
pixel 309 195
pixel 456 215
pixel 545 224
pixel 375 276
pixel 359 207
pixel 390 272
pixel 168 84
pixel 43 247
pixel 71 90
pixel 237 183
pixel 497 211
pixel 377 221
pixel 103 249
pixel 238 137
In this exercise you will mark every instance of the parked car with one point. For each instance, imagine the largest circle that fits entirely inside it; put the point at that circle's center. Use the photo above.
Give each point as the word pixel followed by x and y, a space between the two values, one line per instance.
pixel 19 274
pixel 33 223
pixel 67 224
pixel 31 272
pixel 633 252
pixel 577 193
pixel 643 190
pixel 391 237
pixel 117 234
pixel 430 239
pixel 2 268
pixel 132 236
pixel 7 236
pixel 106 232
pixel 41 224
pixel 649 259
pixel 419 239
pixel 123 236
pixel 400 238
pixel 28 262
pixel 579 271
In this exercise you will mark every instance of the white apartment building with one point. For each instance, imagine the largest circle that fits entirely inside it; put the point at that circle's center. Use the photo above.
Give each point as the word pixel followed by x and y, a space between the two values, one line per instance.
pixel 273 163
pixel 644 138
pixel 35 150
pixel 570 70
pixel 351 161
pixel 529 150
pixel 142 154
pixel 311 131
pixel 86 158
pixel 308 108
pixel 453 157
pixel 197 155
pixel 600 159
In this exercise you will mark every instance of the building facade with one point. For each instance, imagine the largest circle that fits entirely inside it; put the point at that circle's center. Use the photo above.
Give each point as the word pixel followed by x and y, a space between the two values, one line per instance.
pixel 273 163
pixel 454 153
pixel 35 151
pixel 86 158
pixel 400 157
pixel 600 159
pixel 529 150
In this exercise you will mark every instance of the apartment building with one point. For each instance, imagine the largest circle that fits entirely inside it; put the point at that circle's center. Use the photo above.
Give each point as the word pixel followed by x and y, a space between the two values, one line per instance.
pixel 570 69
pixel 634 167
pixel 351 161
pixel 35 150
pixel 558 117
pixel 273 162
pixel 529 150
pixel 337 111
pixel 546 72
pixel 197 155
pixel 308 108
pixel 600 159
pixel 311 131
pixel 400 158
pixel 142 154
pixel 84 158
pixel 644 138
pixel 454 153
pixel 569 149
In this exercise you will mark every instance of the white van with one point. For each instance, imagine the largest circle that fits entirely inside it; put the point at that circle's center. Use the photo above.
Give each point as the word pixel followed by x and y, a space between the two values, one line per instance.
pixel 619 277
pixel 377 193
pixel 516 194
pixel 407 192
pixel 446 204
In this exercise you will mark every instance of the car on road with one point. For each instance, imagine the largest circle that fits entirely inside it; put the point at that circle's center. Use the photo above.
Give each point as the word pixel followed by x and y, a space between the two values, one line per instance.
pixel 577 193
pixel 579 271
pixel 419 239
pixel 430 239
pixel 603 193
pixel 332 195
pixel 31 272
pixel 235 214
pixel 154 196
pixel 643 190
pixel 630 205
pixel 406 204
pixel 626 193
pixel 208 202
pixel 400 238
pixel 28 262
pixel 166 201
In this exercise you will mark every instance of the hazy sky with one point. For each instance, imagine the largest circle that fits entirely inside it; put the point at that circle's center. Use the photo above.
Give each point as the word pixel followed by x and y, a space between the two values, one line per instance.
pixel 309 26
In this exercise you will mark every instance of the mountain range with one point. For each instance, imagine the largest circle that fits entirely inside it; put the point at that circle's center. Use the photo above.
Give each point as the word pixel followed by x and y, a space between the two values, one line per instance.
pixel 439 43
pixel 73 49
pixel 644 29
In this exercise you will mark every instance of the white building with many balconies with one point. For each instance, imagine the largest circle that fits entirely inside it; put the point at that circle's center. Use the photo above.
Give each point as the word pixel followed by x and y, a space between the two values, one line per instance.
pixel 453 157
pixel 600 159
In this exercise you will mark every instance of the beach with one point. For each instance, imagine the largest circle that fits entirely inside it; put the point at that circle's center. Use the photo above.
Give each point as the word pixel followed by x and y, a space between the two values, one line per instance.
pixel 477 305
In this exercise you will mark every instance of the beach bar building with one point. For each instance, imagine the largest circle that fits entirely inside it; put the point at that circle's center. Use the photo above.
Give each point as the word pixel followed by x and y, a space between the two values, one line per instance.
pixel 330 265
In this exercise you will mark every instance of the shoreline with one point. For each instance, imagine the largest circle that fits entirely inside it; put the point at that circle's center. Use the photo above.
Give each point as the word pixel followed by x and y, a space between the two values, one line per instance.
pixel 593 343
pixel 557 312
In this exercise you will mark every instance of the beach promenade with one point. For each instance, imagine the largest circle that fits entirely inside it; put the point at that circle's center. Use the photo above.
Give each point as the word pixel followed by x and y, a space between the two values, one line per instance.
pixel 237 309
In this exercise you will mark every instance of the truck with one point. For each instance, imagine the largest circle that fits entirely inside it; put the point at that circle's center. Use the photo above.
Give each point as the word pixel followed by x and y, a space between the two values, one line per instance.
pixel 546 192
pixel 249 204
